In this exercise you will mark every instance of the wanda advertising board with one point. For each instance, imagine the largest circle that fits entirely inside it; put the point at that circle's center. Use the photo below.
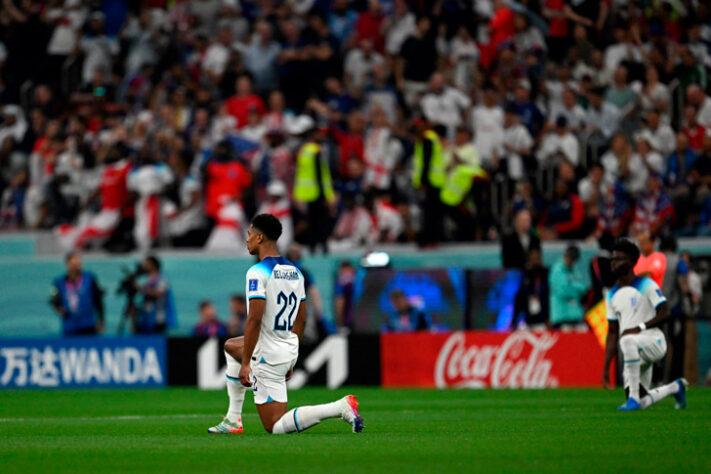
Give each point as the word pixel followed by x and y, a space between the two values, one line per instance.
pixel 480 359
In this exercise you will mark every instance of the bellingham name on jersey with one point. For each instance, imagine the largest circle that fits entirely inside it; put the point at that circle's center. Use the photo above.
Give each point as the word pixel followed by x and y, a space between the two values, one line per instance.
pixel 277 281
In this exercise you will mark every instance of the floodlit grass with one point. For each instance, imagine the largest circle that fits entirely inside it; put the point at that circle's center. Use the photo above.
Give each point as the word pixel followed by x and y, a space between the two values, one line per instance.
pixel 406 431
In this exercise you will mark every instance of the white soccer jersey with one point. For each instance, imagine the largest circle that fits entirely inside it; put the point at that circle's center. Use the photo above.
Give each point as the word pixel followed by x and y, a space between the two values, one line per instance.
pixel 635 303
pixel 277 281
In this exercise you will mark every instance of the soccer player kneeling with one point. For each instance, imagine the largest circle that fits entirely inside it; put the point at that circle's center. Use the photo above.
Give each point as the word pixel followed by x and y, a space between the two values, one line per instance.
pixel 276 314
pixel 636 308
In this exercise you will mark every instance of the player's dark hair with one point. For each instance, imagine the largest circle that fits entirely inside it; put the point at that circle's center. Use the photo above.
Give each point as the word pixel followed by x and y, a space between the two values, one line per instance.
pixel 267 225
pixel 627 247
pixel 154 261
pixel 236 297
pixel 70 255
pixel 204 304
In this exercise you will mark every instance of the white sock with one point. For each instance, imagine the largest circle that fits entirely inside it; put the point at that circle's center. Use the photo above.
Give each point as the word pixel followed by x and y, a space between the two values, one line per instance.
pixel 659 394
pixel 630 372
pixel 303 418
pixel 235 390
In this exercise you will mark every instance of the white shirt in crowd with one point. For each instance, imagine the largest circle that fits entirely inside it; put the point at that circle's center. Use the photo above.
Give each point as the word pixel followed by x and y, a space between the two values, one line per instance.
pixel 98 51
pixel 68 22
pixel 637 178
pixel 465 56
pixel 359 67
pixel 488 128
pixel 216 58
pixel 555 146
pixel 445 107
pixel 704 114
pixel 190 218
pixel 400 28
pixel 605 120
pixel 518 138
pixel 664 139
pixel 381 151
pixel 648 100
pixel 618 52
pixel 575 116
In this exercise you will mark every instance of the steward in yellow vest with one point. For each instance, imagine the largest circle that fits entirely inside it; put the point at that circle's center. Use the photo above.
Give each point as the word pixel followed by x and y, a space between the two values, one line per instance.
pixel 428 177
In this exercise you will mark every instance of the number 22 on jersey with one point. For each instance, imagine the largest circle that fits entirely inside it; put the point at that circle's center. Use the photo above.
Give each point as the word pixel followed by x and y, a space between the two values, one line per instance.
pixel 287 302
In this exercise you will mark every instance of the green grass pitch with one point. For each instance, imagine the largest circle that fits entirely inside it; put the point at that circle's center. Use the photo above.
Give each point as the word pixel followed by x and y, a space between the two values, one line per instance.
pixel 406 431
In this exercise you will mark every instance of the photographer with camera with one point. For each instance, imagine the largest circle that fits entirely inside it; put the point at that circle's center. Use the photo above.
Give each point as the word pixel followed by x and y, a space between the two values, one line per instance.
pixel 156 311
pixel 78 299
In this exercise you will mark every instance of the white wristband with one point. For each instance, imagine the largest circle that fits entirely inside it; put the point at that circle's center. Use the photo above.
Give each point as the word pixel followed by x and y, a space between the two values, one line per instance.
pixel 642 326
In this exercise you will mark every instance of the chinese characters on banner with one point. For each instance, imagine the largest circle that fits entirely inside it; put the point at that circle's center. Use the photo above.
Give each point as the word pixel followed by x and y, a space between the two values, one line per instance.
pixel 82 362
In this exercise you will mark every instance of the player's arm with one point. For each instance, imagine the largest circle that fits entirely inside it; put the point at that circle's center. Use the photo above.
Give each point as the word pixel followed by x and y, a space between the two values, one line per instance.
pixel 613 328
pixel 300 321
pixel 251 335
pixel 658 302
pixel 661 316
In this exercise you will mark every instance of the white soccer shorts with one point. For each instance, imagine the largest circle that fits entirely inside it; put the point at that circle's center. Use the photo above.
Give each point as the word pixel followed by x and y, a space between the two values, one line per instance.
pixel 269 381
pixel 652 347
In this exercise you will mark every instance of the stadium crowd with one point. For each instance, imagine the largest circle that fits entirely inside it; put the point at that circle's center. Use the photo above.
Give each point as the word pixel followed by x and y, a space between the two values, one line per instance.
pixel 170 123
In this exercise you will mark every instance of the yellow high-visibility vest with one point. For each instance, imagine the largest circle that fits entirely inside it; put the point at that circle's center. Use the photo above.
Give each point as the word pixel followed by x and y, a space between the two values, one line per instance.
pixel 436 173
pixel 459 182
pixel 306 185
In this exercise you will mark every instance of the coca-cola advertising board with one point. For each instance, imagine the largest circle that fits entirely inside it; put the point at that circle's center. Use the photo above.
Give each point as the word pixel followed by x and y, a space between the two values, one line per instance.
pixel 481 359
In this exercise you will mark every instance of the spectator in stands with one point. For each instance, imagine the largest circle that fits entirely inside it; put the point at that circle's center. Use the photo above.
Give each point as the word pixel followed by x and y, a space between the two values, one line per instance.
pixel 527 110
pixel 516 146
pixel 616 210
pixel 696 97
pixel 78 299
pixel 404 317
pixel 261 57
pixel 156 311
pixel 417 62
pixel 444 105
pixel 382 152
pixel 487 118
pixel 238 105
pixel 209 324
pixel 186 224
pixel 238 316
pixel 662 134
pixel 567 287
pixel 359 65
pixel 654 210
pixel 560 144
pixel 531 307
pixel 564 216
pixel 517 244
pixel 602 117
pixel 621 95
pixel 653 95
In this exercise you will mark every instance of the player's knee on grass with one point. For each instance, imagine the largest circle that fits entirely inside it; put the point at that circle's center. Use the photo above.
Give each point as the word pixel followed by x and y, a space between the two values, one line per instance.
pixel 270 413
pixel 234 347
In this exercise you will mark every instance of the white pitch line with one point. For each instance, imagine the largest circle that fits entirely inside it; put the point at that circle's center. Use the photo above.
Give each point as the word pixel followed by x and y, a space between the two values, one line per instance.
pixel 104 418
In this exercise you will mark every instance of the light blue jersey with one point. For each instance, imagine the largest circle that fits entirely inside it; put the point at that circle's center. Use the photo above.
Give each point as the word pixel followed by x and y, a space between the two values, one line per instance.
pixel 277 281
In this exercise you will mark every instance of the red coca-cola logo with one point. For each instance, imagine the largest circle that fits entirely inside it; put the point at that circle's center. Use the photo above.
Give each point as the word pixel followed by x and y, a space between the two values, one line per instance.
pixel 518 362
